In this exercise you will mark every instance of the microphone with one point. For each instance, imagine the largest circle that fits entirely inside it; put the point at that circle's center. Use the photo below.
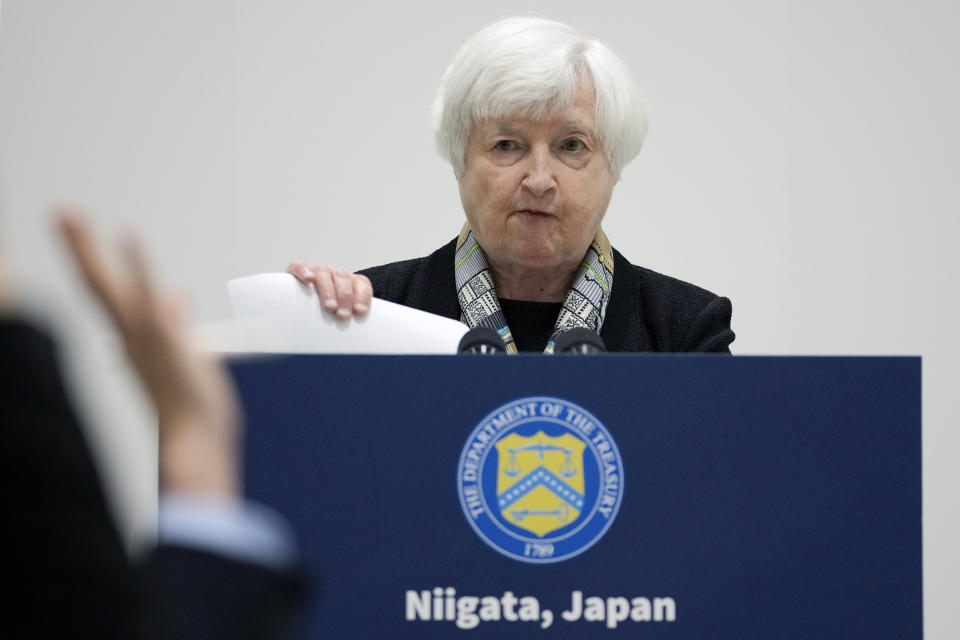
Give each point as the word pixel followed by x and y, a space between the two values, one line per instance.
pixel 579 340
pixel 482 341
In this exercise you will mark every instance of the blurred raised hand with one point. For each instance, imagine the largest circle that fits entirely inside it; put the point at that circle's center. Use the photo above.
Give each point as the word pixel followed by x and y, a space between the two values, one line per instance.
pixel 199 419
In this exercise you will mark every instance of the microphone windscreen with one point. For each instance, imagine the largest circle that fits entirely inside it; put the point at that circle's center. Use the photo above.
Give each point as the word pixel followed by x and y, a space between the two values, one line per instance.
pixel 482 340
pixel 579 340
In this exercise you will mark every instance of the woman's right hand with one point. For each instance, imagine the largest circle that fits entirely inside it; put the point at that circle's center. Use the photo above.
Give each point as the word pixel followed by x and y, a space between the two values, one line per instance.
pixel 341 292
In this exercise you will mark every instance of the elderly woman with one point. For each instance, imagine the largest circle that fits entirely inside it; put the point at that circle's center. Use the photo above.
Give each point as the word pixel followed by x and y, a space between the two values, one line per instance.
pixel 537 121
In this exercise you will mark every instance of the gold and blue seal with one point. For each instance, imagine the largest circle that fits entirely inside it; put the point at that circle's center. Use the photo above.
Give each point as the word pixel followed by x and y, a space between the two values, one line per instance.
pixel 540 479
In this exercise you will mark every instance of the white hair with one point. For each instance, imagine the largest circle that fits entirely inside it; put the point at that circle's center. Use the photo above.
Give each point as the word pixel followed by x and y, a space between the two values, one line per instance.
pixel 531 68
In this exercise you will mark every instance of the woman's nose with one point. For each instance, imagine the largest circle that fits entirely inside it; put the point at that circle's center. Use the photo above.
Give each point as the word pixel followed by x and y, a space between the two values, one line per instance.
pixel 539 178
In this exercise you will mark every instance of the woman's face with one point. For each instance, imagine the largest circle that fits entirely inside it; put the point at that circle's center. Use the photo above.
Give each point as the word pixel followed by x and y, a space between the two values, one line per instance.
pixel 535 191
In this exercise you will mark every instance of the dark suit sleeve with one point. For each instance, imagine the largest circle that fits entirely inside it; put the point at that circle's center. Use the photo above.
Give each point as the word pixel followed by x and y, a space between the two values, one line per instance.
pixel 709 330
pixel 192 594
pixel 66 573
pixel 65 568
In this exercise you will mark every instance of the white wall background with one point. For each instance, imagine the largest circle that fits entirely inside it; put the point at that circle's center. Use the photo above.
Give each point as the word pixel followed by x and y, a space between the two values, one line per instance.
pixel 802 160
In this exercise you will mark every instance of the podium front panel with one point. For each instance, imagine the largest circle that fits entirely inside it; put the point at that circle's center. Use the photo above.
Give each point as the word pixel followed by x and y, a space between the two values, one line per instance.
pixel 642 496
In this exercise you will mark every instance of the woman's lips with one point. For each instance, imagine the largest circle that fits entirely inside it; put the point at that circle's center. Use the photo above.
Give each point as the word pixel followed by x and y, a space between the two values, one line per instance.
pixel 533 212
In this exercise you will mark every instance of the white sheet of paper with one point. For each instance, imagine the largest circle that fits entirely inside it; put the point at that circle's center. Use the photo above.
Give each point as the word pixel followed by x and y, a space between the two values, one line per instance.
pixel 277 313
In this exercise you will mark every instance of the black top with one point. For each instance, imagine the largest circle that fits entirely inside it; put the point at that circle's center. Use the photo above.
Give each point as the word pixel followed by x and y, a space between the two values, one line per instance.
pixel 531 323
pixel 648 311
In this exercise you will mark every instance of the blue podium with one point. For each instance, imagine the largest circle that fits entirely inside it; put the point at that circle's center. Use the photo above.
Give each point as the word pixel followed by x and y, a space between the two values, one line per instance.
pixel 641 496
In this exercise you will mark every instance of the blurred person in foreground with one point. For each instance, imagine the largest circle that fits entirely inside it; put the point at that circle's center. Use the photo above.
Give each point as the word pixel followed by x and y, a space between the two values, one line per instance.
pixel 537 121
pixel 222 568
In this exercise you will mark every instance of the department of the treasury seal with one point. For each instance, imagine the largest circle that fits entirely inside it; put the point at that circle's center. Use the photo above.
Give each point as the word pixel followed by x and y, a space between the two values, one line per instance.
pixel 540 479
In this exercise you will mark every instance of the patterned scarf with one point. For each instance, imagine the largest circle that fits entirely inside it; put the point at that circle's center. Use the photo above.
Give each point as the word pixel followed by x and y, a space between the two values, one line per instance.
pixel 584 306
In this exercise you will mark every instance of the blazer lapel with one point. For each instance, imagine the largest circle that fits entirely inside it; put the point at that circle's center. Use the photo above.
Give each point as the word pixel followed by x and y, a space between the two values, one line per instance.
pixel 623 327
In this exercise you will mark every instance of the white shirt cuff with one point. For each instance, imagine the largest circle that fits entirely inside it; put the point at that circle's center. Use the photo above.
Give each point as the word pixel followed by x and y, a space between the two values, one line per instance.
pixel 241 530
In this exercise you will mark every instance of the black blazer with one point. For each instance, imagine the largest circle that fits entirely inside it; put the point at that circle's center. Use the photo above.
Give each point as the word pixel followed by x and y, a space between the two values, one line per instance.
pixel 648 311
